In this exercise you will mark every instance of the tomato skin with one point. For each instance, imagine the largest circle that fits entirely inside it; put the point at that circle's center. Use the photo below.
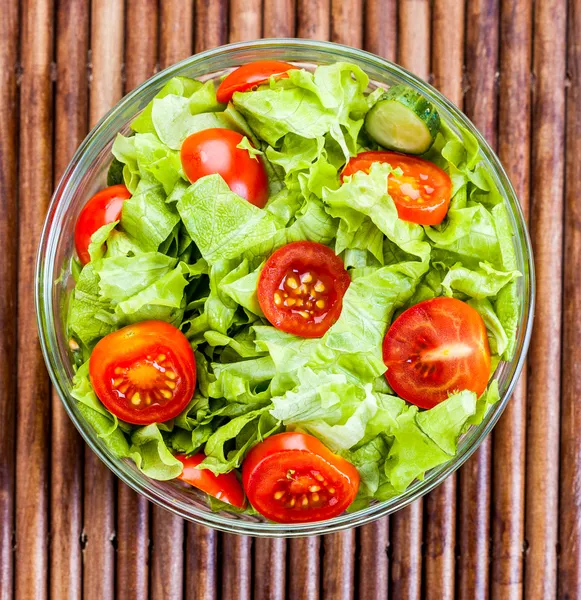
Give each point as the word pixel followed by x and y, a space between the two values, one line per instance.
pixel 293 463
pixel 103 208
pixel 225 487
pixel 214 151
pixel 152 359
pixel 435 348
pixel 328 282
pixel 421 177
pixel 252 74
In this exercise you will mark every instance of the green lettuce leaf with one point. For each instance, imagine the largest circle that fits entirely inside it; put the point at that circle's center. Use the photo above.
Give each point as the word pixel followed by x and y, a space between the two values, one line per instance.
pixel 147 158
pixel 180 86
pixel 309 105
pixel 151 455
pixel 478 283
pixel 90 316
pixel 147 217
pixel 222 224
pixel 242 432
pixel 427 439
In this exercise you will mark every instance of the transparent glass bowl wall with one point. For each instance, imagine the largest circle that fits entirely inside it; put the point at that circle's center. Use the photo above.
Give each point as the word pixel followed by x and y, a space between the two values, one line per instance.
pixel 87 173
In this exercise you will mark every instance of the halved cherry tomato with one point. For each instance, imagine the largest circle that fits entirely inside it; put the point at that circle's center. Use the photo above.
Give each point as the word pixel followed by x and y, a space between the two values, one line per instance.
pixel 225 487
pixel 421 195
pixel 215 151
pixel 103 208
pixel 248 76
pixel 294 478
pixel 301 288
pixel 434 348
pixel 144 373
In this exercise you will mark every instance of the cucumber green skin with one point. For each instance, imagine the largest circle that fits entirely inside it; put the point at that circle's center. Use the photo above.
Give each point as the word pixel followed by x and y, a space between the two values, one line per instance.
pixel 415 102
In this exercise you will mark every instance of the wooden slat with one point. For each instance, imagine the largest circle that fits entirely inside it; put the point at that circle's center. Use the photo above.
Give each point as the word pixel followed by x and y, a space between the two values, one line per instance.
pixel 107 32
pixel 313 19
pixel 440 505
pixel 339 565
pixel 474 480
pixel 509 440
pixel 176 31
pixel 279 18
pixel 236 567
pixel 339 548
pixel 270 569
pixel 8 286
pixel 133 511
pixel 245 20
pixel 406 560
pixel 211 24
pixel 448 50
pixel 381 28
pixel 270 554
pixel 304 568
pixel 167 555
pixel 347 22
pixel 546 226
pixel 201 563
pixel 141 41
pixel 71 121
pixel 373 563
pixel 132 544
pixel 406 525
pixel 440 541
pixel 414 36
pixel 167 532
pixel 380 37
pixel 570 505
pixel 35 187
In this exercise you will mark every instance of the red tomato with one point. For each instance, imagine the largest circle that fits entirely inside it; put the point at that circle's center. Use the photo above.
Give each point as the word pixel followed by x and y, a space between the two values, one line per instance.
pixel 144 373
pixel 434 348
pixel 103 208
pixel 301 288
pixel 215 151
pixel 248 76
pixel 294 478
pixel 421 195
pixel 225 487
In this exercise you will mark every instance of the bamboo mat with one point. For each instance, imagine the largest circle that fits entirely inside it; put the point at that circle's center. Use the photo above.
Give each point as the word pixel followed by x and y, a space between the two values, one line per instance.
pixel 508 525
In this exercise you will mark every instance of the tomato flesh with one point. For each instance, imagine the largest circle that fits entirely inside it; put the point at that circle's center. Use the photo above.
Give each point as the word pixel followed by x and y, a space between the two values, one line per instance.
pixel 250 75
pixel 215 151
pixel 435 348
pixel 144 373
pixel 225 487
pixel 292 478
pixel 301 288
pixel 421 194
pixel 103 208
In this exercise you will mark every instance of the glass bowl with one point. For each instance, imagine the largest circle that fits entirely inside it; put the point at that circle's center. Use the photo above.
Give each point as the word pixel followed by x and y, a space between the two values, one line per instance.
pixel 87 173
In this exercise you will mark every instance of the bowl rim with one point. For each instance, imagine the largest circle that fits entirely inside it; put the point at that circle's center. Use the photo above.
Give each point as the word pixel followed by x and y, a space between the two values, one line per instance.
pixel 44 308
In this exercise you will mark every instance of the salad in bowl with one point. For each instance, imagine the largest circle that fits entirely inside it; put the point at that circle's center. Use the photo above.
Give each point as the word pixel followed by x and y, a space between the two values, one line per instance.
pixel 294 293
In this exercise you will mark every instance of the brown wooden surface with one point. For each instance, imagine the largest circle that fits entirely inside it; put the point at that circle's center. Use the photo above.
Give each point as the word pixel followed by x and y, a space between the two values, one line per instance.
pixel 509 524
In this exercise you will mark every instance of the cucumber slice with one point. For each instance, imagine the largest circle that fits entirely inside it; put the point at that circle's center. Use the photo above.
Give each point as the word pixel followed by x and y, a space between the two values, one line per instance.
pixel 403 120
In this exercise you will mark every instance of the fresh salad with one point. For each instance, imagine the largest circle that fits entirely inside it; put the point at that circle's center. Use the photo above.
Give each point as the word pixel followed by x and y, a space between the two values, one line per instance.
pixel 294 293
